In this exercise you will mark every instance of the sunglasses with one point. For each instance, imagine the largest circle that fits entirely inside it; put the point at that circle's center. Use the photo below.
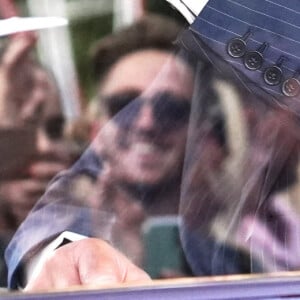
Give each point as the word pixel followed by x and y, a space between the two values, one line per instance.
pixel 169 111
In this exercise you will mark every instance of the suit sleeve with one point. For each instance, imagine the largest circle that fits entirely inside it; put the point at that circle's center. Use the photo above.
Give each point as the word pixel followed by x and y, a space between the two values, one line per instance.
pixel 57 211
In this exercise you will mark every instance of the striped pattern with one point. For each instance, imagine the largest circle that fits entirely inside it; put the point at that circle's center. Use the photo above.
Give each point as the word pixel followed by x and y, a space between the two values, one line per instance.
pixel 276 22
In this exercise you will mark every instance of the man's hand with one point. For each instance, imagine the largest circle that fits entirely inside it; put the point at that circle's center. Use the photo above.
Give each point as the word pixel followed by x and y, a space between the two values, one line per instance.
pixel 89 262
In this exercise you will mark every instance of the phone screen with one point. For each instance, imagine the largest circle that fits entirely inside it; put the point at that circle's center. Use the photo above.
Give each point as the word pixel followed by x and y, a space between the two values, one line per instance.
pixel 163 254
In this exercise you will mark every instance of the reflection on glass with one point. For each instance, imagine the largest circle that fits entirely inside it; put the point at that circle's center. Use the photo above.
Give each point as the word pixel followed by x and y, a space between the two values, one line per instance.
pixel 241 167
pixel 180 167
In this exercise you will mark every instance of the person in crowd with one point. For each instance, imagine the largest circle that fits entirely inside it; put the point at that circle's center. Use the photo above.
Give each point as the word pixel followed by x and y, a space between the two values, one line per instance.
pixel 130 191
pixel 32 125
pixel 119 146
pixel 37 106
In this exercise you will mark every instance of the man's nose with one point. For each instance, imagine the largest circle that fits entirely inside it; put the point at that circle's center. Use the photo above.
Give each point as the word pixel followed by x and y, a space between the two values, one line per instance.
pixel 145 119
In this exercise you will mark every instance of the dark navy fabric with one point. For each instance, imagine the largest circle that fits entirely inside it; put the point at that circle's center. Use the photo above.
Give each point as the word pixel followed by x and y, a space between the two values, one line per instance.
pixel 207 257
pixel 275 22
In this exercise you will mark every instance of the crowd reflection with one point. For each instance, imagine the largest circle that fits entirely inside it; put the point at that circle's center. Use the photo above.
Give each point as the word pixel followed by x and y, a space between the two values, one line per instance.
pixel 176 138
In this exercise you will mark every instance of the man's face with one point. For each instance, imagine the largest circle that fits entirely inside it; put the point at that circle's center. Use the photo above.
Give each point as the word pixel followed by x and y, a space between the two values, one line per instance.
pixel 148 95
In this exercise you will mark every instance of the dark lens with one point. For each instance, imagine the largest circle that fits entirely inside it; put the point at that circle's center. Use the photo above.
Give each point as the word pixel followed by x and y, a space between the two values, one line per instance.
pixel 116 103
pixel 54 127
pixel 170 110
pixel 123 107
pixel 128 114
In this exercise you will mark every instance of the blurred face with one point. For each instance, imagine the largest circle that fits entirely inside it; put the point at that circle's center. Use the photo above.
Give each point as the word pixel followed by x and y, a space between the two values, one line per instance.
pixel 42 113
pixel 148 95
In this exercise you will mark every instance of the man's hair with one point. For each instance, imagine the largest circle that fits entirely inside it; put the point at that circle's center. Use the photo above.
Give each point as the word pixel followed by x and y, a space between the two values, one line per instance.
pixel 149 32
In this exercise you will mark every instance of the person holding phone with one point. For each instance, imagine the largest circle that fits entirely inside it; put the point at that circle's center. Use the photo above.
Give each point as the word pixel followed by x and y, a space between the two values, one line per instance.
pixel 32 133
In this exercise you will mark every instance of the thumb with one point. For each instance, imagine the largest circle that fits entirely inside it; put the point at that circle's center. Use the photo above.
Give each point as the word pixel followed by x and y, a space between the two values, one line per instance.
pixel 104 265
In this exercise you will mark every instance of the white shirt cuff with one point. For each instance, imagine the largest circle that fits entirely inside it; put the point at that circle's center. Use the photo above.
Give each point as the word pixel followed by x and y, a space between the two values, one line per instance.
pixel 34 266
pixel 190 9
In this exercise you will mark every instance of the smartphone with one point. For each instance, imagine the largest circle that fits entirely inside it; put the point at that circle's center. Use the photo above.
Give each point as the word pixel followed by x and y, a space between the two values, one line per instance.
pixel 163 253
pixel 17 146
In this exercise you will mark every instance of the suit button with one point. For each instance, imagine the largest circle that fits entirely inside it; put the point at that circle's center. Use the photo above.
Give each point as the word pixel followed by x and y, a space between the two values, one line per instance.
pixel 253 60
pixel 237 47
pixel 273 75
pixel 291 87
